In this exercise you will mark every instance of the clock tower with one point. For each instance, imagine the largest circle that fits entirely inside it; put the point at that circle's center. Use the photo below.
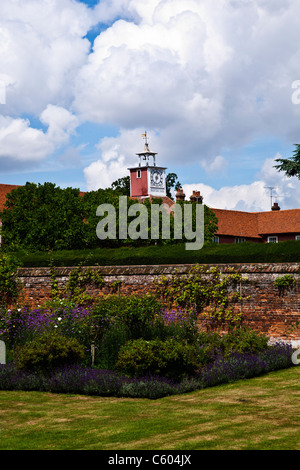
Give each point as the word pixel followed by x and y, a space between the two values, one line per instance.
pixel 147 179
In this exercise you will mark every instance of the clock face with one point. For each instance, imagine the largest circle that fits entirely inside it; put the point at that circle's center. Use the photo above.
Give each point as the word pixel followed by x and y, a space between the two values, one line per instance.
pixel 156 177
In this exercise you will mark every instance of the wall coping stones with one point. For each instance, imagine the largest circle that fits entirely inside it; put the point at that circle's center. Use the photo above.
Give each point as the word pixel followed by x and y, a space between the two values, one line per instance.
pixel 165 269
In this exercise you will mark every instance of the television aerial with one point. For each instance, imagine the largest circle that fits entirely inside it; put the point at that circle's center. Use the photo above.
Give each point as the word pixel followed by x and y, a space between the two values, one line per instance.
pixel 271 188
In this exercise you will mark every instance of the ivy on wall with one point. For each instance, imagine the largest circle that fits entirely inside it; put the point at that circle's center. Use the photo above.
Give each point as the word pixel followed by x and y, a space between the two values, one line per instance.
pixel 79 279
pixel 285 283
pixel 10 286
pixel 207 292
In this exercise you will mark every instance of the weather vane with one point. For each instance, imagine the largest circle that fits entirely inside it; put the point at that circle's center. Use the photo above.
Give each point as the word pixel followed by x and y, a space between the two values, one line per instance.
pixel 145 137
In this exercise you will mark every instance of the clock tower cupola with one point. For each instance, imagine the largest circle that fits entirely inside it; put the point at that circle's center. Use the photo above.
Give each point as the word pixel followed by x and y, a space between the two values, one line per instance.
pixel 147 179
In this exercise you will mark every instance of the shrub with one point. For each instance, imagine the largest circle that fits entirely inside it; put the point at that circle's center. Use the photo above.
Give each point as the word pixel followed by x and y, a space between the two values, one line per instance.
pixel 91 381
pixel 244 365
pixel 209 346
pixel 168 358
pixel 243 340
pixel 49 351
pixel 278 356
pixel 181 324
pixel 137 313
pixel 86 380
pixel 235 367
pixel 108 345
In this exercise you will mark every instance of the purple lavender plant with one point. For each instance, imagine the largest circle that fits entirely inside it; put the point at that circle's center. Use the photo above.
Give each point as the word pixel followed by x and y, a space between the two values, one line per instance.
pixel 91 381
pixel 21 325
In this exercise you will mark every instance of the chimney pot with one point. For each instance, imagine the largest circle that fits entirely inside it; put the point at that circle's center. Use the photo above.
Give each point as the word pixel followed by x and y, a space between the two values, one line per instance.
pixel 196 197
pixel 180 196
pixel 275 207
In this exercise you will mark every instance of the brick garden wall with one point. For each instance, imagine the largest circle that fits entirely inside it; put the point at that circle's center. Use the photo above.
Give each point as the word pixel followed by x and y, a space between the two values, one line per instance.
pixel 265 310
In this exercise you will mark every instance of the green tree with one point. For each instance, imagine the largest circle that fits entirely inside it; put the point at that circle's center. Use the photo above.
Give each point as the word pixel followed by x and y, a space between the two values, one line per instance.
pixel 210 220
pixel 91 201
pixel 210 224
pixel 122 185
pixel 43 216
pixel 290 166
pixel 172 182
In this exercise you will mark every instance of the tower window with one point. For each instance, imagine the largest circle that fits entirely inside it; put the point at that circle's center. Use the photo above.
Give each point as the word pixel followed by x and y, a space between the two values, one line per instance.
pixel 138 173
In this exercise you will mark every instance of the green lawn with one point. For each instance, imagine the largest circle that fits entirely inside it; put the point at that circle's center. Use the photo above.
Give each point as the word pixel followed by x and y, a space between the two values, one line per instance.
pixel 257 414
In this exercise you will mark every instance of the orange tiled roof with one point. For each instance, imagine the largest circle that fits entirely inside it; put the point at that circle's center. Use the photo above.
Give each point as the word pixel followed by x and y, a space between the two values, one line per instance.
pixel 237 223
pixel 256 224
pixel 283 221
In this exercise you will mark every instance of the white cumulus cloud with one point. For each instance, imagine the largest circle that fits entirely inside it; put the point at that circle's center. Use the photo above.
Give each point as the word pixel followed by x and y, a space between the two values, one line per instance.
pixel 255 196
pixel 19 141
pixel 207 75
pixel 42 46
pixel 203 77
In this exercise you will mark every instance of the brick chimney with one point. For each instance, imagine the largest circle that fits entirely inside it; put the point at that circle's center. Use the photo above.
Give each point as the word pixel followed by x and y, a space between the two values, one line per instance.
pixel 275 207
pixel 180 196
pixel 196 197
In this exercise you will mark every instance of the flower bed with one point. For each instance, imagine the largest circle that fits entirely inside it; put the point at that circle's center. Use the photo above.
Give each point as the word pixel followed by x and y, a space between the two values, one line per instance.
pixel 85 380
pixel 127 347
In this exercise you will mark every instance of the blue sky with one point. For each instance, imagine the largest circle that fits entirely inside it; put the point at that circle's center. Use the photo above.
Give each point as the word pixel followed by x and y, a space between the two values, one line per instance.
pixel 211 82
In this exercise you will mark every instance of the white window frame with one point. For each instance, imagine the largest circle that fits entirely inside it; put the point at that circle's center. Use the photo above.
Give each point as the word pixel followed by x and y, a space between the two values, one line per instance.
pixel 239 240
pixel 216 239
pixel 275 237
pixel 138 173
pixel 297 237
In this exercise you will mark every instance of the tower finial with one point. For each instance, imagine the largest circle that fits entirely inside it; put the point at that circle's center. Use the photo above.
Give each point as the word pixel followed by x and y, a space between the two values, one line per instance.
pixel 145 137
